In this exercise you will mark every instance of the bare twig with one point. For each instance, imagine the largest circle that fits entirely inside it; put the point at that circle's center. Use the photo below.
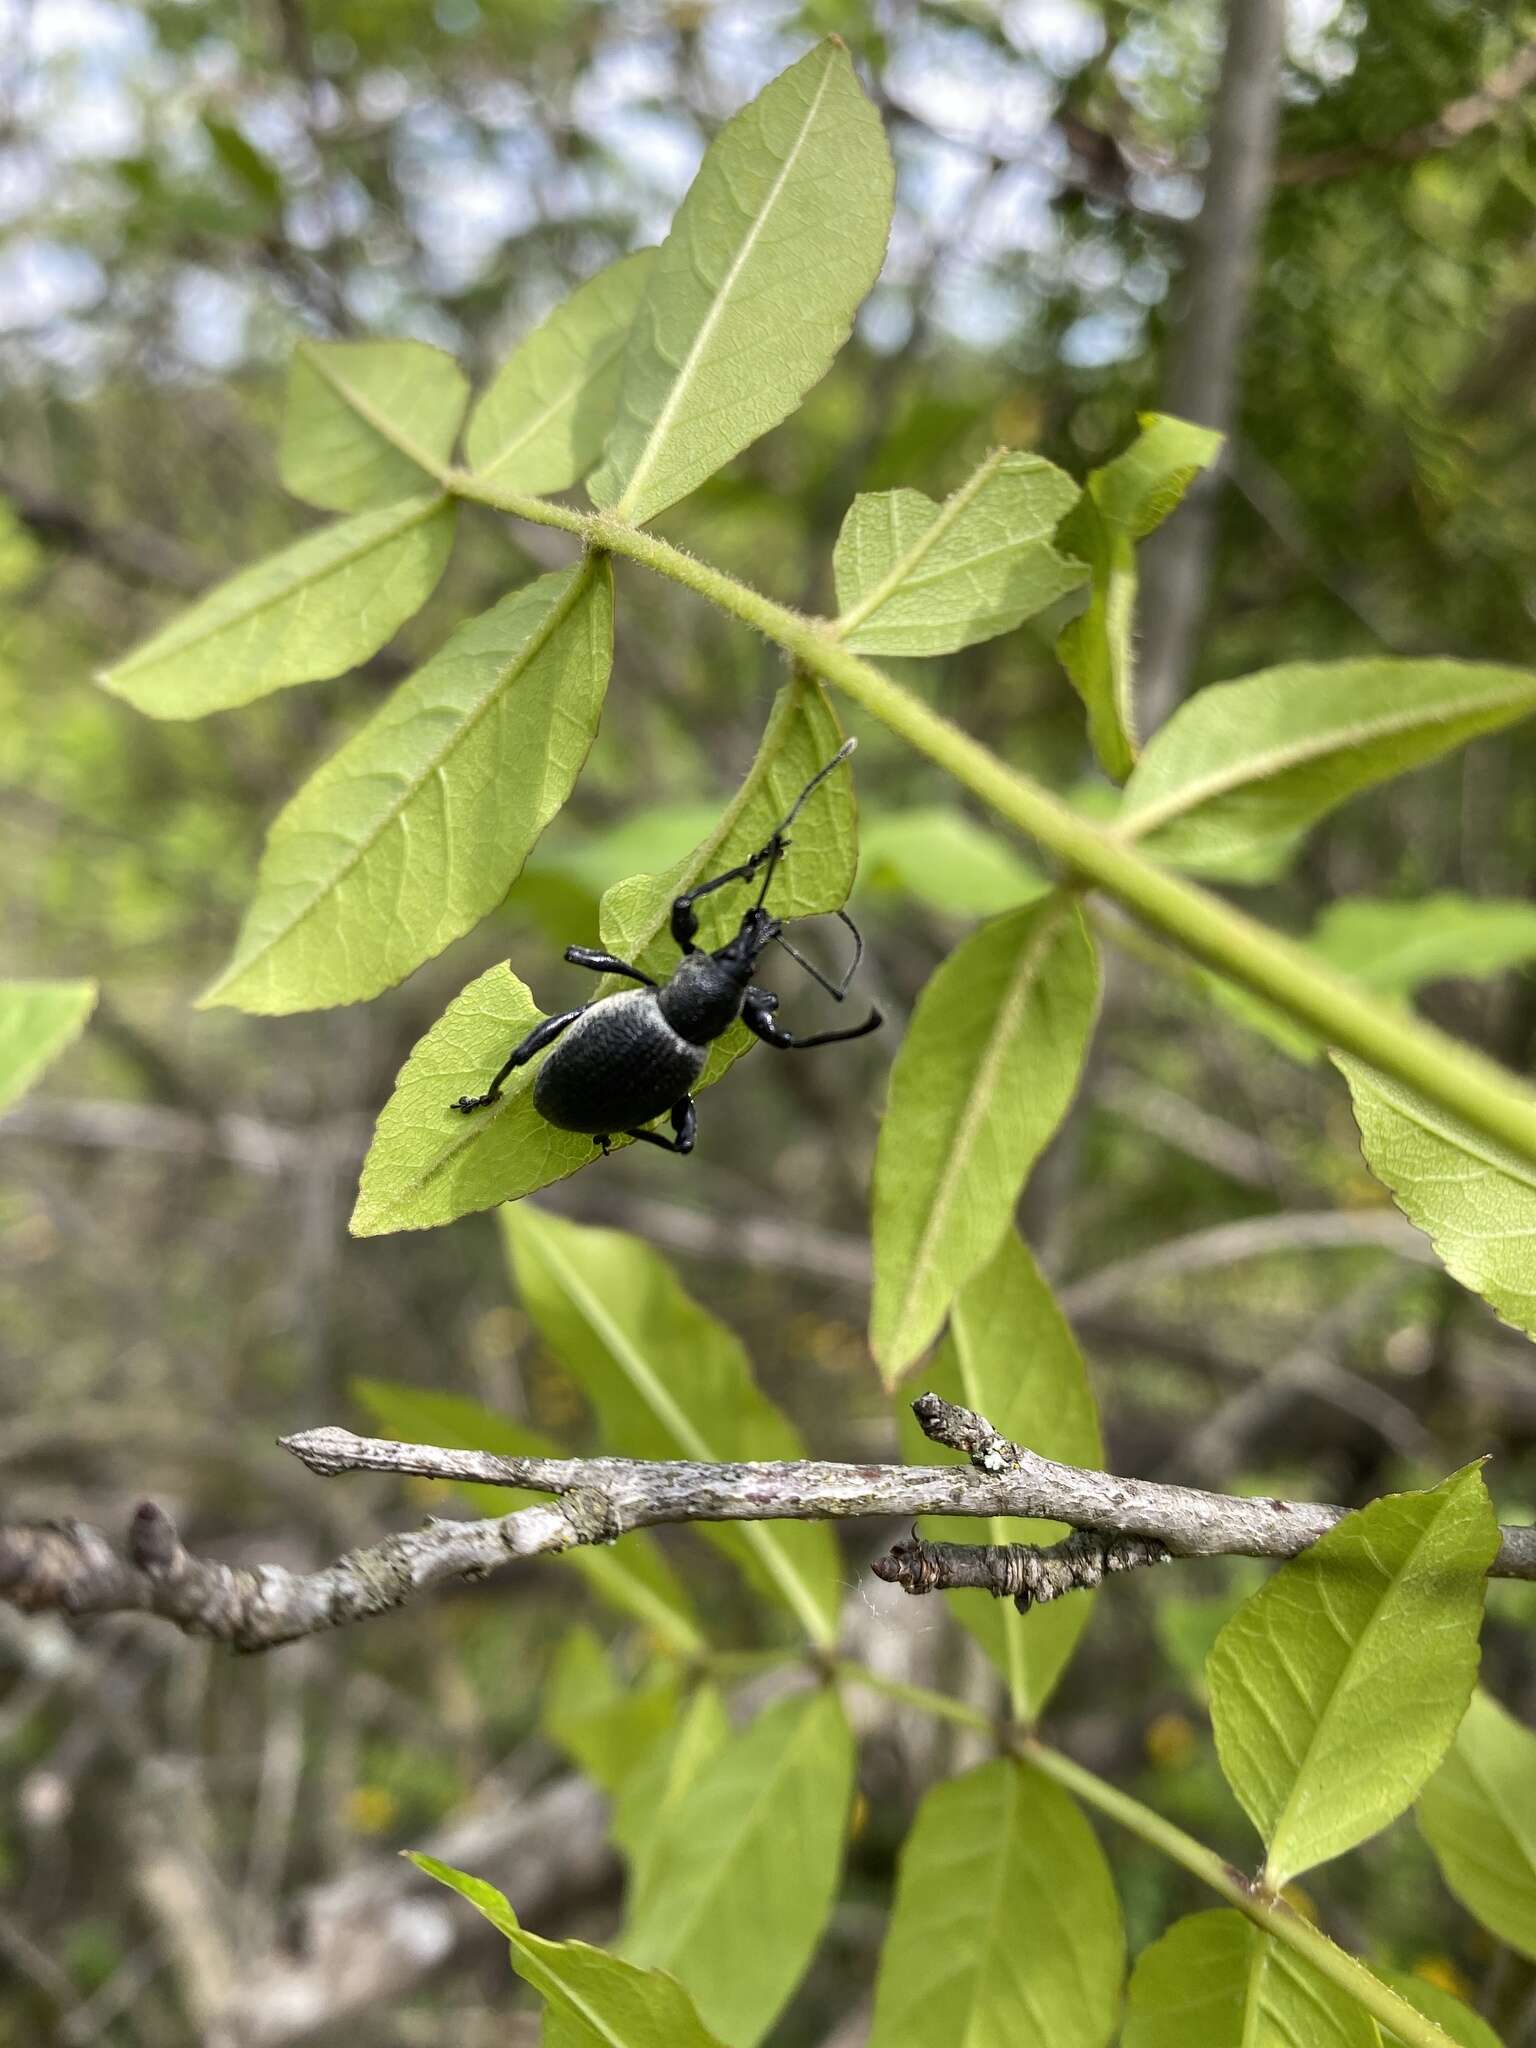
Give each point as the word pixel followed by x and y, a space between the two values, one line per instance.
pixel 1028 1574
pixel 69 1567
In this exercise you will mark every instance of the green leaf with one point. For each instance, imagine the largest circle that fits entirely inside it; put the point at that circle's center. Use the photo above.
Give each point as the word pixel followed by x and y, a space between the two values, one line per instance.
pixel 1395 948
pixel 1478 1814
pixel 310 611
pixel 1011 1356
pixel 37 1020
pixel 593 1999
pixel 914 577
pixel 754 291
pixel 1243 764
pixel 1214 1980
pixel 982 1079
pixel 632 1576
pixel 1006 1930
pixel 368 422
pixel 668 1381
pixel 945 860
pixel 643 1807
pixel 1441 2006
pixel 1473 1199
pixel 541 423
pixel 603 1725
pixel 428 1165
pixel 1123 502
pixel 418 826
pixel 1336 1689
pixel 736 1891
pixel 244 163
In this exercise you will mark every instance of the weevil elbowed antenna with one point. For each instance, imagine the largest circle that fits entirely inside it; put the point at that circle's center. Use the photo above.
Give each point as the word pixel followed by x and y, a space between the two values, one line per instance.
pixel 626 1059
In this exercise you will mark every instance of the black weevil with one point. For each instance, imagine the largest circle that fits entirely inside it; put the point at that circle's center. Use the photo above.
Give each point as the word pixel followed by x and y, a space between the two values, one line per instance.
pixel 628 1058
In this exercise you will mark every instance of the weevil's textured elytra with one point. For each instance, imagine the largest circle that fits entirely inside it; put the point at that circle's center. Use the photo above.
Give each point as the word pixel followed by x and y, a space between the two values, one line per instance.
pixel 627 1059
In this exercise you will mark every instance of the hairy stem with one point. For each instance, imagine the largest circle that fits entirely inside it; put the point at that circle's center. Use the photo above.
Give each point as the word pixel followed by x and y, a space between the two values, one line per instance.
pixel 1454 1078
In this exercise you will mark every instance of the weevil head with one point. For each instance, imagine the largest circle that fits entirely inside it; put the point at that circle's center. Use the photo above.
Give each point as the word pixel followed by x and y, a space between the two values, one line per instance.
pixel 703 998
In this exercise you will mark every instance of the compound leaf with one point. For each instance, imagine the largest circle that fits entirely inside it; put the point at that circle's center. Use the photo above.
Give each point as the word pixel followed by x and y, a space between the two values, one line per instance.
pixel 914 577
pixel 668 1381
pixel 1336 1689
pixel 310 611
pixel 1123 502
pixel 981 1081
pixel 633 1576
pixel 541 424
pixel 736 1889
pixel 418 826
pixel 1474 1200
pixel 591 1999
pixel 1010 1354
pixel 1214 1980
pixel 754 291
pixel 1242 765
pixel 1478 1814
pixel 1006 1930
pixel 368 422
pixel 945 860
pixel 38 1019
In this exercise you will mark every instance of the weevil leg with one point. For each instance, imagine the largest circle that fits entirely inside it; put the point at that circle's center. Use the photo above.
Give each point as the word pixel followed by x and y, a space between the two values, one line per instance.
pixel 605 963
pixel 540 1036
pixel 757 1014
pixel 837 990
pixel 685 1122
pixel 685 926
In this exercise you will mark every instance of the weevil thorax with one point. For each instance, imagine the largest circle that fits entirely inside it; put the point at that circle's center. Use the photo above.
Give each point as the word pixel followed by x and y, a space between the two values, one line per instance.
pixel 703 998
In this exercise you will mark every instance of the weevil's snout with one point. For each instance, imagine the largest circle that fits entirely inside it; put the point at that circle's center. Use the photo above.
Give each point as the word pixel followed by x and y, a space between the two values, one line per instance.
pixel 739 955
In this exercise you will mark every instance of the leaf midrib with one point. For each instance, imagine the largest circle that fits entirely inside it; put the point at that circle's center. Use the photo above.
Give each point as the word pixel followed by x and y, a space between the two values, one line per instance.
pixel 537 641
pixel 658 1398
pixel 976 1100
pixel 372 417
pixel 646 461
pixel 163 647
pixel 587 372
pixel 1309 747
pixel 944 517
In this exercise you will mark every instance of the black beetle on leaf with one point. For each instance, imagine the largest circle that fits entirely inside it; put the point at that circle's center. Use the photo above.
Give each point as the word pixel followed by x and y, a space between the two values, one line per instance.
pixel 631 1057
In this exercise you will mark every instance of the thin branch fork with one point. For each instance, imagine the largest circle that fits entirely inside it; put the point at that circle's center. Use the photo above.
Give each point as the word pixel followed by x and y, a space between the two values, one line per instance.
pixel 1118 1525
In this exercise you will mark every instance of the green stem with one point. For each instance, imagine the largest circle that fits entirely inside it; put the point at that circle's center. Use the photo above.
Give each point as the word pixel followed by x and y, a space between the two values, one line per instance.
pixel 1445 1073
pixel 939 1704
pixel 1265 1908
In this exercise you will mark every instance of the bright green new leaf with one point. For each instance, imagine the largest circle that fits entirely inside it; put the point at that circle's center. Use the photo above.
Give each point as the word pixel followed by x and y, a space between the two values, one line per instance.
pixel 369 422
pixel 632 1576
pixel 668 1381
pixel 37 1020
pixel 428 1165
pixel 606 1727
pixel 944 859
pixel 754 291
pixel 914 577
pixel 736 1890
pixel 541 423
pixel 982 1079
pixel 1453 2018
pixel 1395 948
pixel 1123 502
pixel 1006 1930
pixel 1214 1980
pixel 643 1806
pixel 1243 764
pixel 1336 1690
pixel 317 607
pixel 1478 1814
pixel 591 1999
pixel 1011 1356
pixel 417 827
pixel 1476 1201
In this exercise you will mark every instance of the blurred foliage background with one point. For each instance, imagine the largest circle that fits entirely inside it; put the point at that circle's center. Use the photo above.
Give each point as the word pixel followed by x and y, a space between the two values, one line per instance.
pixel 197 1848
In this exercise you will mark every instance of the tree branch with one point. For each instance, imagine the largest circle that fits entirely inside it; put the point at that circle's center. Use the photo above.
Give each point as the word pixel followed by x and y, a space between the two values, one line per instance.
pixel 1451 125
pixel 1121 1524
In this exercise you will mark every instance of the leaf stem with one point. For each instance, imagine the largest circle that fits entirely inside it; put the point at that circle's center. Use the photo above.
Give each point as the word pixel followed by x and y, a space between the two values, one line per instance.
pixel 1275 1915
pixel 1458 1080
